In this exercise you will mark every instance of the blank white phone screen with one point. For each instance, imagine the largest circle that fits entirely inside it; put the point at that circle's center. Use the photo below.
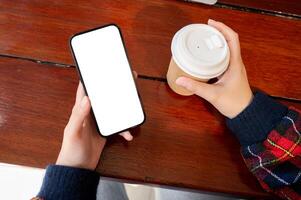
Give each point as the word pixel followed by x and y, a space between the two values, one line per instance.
pixel 105 71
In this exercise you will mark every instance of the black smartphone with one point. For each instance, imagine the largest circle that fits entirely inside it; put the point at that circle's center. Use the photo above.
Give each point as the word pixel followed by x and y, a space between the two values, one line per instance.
pixel 106 75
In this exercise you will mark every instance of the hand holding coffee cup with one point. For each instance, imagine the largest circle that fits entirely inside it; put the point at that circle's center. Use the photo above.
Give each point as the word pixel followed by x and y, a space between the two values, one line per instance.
pixel 200 52
pixel 231 94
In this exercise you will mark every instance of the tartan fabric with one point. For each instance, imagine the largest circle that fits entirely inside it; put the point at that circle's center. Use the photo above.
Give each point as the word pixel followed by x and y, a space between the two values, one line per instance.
pixel 276 161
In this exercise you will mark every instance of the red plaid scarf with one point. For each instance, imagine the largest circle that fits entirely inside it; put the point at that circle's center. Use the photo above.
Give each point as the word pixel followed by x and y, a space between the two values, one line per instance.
pixel 276 162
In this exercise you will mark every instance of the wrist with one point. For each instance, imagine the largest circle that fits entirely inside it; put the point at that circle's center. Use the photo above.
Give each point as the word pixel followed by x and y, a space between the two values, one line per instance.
pixel 70 160
pixel 240 105
pixel 244 104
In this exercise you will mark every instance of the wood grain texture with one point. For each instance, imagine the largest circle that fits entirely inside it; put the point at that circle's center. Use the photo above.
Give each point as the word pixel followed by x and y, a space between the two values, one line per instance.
pixel 183 143
pixel 270 45
pixel 291 7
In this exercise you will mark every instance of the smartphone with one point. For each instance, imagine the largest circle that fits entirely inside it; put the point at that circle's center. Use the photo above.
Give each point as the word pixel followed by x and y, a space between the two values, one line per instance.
pixel 103 66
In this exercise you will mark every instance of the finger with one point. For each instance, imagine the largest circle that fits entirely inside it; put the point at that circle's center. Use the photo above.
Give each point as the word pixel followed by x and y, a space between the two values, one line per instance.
pixel 126 135
pixel 79 113
pixel 135 74
pixel 80 93
pixel 231 38
pixel 201 89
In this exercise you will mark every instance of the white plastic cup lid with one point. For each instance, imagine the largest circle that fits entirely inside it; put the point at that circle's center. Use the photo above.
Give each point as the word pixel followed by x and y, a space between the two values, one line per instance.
pixel 201 51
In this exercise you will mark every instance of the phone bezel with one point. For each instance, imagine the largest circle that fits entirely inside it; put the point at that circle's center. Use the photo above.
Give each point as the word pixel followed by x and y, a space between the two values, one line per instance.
pixel 82 81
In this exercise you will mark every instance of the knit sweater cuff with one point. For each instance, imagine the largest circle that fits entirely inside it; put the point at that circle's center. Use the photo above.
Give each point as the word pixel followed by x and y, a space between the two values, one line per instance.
pixel 62 182
pixel 254 123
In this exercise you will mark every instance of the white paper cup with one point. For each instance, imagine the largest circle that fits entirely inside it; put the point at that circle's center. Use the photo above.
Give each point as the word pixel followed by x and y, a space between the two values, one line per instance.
pixel 200 52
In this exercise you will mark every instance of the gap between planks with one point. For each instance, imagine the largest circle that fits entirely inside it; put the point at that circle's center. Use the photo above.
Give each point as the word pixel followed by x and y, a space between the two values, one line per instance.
pixel 141 76
pixel 160 79
pixel 259 11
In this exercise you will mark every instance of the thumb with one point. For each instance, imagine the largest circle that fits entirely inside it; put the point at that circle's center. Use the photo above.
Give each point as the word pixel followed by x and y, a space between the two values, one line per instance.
pixel 79 113
pixel 201 89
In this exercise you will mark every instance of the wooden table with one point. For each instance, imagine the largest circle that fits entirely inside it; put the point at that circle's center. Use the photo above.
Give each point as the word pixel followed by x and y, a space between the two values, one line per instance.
pixel 184 142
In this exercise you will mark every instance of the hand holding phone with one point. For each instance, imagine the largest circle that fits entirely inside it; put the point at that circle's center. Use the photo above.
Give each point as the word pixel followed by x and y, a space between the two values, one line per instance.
pixel 82 146
pixel 106 75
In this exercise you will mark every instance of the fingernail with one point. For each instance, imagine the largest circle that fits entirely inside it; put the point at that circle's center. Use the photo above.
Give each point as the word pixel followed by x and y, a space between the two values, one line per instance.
pixel 84 102
pixel 180 81
pixel 129 137
pixel 211 20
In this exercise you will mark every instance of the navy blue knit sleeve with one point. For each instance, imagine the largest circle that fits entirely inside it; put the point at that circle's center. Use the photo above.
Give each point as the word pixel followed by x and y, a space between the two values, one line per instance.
pixel 254 123
pixel 61 182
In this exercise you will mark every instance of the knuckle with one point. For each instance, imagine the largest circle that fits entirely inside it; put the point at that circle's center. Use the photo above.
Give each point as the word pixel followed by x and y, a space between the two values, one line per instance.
pixel 236 36
pixel 74 110
pixel 67 129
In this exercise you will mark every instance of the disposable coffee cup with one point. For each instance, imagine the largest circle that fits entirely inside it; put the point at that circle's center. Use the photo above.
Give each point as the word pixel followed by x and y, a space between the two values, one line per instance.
pixel 200 52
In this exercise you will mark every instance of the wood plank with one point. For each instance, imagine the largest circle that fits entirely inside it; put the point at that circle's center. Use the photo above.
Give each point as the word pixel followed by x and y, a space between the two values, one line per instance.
pixel 41 29
pixel 291 7
pixel 183 143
